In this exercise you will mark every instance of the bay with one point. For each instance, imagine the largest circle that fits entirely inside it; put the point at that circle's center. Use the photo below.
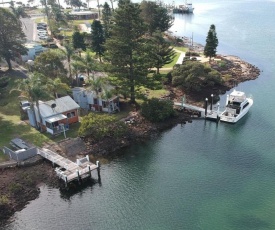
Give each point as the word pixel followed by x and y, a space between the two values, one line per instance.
pixel 201 175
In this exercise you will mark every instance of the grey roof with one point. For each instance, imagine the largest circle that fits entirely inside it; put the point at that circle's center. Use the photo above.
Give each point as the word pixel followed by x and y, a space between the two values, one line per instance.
pixel 63 104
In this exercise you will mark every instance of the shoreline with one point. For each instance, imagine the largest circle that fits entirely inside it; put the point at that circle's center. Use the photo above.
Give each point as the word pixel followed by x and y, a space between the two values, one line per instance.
pixel 19 185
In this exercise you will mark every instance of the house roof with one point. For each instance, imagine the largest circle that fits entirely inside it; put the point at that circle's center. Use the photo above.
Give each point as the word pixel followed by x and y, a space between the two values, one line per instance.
pixel 63 104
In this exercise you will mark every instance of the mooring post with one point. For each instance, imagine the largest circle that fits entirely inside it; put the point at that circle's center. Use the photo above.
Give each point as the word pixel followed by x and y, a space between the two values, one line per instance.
pixel 90 173
pixel 66 181
pixel 218 112
pixel 211 106
pixel 206 103
pixel 78 176
pixel 98 169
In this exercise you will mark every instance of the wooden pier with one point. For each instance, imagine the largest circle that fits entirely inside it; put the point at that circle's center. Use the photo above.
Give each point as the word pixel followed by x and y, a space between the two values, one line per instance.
pixel 68 170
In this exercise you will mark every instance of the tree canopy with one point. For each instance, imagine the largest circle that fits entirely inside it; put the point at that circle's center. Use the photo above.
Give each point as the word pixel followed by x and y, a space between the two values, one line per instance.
pixel 155 17
pixel 212 42
pixel 98 38
pixel 194 76
pixel 126 48
pixel 12 37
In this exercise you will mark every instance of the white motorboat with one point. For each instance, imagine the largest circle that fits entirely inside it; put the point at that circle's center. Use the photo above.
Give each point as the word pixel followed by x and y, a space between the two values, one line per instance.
pixel 187 8
pixel 237 105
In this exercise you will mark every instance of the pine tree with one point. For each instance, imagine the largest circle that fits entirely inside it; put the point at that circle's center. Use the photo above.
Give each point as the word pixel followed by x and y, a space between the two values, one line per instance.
pixel 78 41
pixel 212 42
pixel 98 38
pixel 126 49
pixel 161 52
pixel 106 18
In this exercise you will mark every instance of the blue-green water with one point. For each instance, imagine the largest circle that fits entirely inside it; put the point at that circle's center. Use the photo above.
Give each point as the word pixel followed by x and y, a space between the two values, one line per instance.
pixel 197 176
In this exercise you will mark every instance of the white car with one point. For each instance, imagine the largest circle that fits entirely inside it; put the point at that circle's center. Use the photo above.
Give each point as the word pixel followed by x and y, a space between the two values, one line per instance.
pixel 42 31
pixel 44 37
pixel 42 34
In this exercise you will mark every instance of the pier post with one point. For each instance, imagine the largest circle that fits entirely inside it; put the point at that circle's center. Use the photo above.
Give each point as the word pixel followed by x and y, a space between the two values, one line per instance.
pixel 66 181
pixel 206 103
pixel 218 112
pixel 98 170
pixel 78 176
pixel 211 106
pixel 90 173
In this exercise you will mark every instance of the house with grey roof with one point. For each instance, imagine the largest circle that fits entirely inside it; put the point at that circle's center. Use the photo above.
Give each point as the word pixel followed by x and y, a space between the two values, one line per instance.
pixel 89 100
pixel 56 115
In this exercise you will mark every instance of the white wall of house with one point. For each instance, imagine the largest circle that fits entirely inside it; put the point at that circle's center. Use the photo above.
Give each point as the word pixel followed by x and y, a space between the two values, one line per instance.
pixel 34 49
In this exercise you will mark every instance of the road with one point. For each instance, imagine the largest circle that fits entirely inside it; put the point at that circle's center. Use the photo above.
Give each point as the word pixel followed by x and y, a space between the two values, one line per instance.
pixel 29 29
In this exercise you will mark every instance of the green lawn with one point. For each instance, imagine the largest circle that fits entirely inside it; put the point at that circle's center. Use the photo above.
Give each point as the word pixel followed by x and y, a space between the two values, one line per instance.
pixel 173 62
pixel 10 124
pixel 180 48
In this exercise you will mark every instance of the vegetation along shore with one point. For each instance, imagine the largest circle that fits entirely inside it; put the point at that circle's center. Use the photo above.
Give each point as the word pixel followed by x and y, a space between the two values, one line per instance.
pixel 145 67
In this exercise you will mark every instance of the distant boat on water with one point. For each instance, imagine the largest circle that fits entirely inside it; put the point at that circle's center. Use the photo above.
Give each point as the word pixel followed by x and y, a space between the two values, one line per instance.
pixel 186 8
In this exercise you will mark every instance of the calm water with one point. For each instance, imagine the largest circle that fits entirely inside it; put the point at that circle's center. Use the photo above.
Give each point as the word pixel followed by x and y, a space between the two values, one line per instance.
pixel 197 176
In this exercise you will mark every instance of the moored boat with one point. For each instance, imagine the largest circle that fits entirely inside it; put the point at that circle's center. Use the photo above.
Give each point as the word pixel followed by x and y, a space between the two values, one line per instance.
pixel 185 8
pixel 237 105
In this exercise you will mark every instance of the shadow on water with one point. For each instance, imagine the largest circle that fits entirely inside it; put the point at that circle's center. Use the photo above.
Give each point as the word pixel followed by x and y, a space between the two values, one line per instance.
pixel 76 188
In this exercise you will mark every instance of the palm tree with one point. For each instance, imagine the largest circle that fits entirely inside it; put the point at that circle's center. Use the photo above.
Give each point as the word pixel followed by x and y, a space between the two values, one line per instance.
pixel 34 89
pixel 95 84
pixel 85 63
pixel 68 51
pixel 57 86
pixel 107 94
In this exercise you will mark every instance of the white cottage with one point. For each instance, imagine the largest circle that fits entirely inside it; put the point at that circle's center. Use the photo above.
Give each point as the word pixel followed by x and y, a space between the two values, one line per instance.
pixel 88 99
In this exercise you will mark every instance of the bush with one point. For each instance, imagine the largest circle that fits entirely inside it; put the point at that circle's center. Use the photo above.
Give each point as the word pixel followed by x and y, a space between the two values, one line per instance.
pixel 4 81
pixel 190 53
pixel 101 125
pixel 157 110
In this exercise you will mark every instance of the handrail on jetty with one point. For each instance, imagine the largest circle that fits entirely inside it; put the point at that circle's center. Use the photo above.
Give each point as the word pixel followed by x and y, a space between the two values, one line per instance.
pixel 68 170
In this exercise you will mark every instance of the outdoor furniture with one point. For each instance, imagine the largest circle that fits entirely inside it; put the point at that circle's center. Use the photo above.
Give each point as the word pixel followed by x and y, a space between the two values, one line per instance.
pixel 18 144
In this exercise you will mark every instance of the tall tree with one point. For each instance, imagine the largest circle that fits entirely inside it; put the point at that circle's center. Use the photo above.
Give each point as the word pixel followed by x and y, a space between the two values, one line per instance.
pixel 126 49
pixel 86 63
pixel 162 53
pixel 212 42
pixel 12 37
pixel 68 52
pixel 98 38
pixel 155 16
pixel 56 86
pixel 50 64
pixel 106 18
pixel 78 41
pixel 35 89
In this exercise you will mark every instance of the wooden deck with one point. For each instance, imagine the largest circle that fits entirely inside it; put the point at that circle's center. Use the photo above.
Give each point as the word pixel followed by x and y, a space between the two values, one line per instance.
pixel 68 170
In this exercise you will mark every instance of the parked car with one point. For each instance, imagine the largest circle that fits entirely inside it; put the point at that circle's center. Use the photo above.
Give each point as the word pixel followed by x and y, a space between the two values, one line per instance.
pixel 41 28
pixel 43 37
pixel 25 105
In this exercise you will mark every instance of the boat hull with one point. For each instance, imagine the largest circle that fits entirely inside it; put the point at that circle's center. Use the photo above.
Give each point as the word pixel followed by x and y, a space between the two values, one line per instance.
pixel 233 119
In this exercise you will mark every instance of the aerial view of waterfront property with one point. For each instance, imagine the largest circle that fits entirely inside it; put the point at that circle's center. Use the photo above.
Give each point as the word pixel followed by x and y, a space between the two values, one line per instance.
pixel 161 126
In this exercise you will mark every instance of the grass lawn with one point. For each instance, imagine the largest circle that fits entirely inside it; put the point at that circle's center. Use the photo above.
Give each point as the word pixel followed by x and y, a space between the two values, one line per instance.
pixel 10 124
pixel 180 48
pixel 173 62
pixel 42 19
pixel 77 22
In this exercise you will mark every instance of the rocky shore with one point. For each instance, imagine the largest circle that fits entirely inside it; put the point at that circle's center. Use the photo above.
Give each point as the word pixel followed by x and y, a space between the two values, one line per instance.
pixel 20 185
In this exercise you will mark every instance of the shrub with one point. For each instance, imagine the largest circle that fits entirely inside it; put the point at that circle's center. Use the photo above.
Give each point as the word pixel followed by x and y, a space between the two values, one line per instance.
pixel 157 110
pixel 191 53
pixel 4 200
pixel 4 81
pixel 101 125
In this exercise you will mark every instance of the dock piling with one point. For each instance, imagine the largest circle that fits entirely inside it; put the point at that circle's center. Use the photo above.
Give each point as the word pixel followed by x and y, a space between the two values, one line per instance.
pixel 98 169
pixel 206 103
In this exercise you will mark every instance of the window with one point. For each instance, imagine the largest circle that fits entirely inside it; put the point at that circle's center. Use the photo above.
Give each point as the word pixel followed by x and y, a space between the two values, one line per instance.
pixel 104 104
pixel 95 101
pixel 71 114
